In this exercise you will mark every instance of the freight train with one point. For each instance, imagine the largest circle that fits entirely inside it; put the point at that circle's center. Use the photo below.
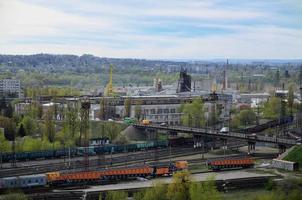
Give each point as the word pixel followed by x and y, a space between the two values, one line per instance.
pixel 79 151
pixel 91 177
pixel 269 124
pixel 230 163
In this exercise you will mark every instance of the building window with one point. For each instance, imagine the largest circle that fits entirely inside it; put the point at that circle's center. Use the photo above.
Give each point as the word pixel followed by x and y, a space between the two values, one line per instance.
pixel 166 110
pixel 159 111
pixel 172 110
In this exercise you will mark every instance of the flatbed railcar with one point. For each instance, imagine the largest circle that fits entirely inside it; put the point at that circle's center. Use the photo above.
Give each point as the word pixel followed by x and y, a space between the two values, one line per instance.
pixel 230 163
pixel 115 174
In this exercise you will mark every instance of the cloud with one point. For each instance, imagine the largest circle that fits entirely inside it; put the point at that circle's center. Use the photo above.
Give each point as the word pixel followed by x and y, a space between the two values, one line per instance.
pixel 152 29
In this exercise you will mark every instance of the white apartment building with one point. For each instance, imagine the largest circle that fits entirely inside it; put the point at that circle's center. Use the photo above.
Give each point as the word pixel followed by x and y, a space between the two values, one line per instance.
pixel 10 88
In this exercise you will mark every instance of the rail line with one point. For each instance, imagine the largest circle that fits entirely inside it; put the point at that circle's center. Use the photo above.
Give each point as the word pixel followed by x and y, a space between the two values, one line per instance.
pixel 118 161
pixel 222 185
pixel 94 164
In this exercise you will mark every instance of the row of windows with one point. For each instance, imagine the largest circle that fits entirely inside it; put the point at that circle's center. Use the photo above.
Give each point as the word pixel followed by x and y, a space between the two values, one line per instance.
pixel 160 111
pixel 28 181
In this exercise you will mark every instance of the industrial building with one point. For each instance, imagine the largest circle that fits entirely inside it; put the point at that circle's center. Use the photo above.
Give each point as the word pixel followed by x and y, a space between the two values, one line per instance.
pixel 158 109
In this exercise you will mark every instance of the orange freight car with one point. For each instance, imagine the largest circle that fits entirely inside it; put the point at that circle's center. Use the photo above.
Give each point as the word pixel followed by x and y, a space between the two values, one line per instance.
pixel 55 178
pixel 227 163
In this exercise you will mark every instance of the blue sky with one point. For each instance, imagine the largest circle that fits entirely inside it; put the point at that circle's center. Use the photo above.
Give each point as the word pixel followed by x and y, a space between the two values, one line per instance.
pixel 158 29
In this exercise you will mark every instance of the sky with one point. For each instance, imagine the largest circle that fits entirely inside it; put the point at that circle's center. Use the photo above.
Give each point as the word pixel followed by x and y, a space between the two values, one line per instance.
pixel 154 29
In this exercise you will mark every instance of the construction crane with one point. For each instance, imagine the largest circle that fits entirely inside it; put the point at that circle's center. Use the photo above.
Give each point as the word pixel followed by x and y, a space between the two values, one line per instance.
pixel 109 86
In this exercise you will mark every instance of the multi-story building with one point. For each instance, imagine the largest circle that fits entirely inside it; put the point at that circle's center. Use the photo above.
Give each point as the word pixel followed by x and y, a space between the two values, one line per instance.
pixel 10 88
pixel 161 108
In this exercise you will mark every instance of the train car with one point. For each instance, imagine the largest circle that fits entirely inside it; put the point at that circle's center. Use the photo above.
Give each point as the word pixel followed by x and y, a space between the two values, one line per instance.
pixel 110 148
pixel 181 142
pixel 269 124
pixel 32 181
pixel 79 151
pixel 72 178
pixel 144 171
pixel 27 181
pixel 230 163
pixel 8 182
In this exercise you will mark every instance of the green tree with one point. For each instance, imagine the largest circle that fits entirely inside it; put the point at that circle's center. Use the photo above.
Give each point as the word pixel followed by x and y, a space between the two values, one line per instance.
pixel 35 110
pixel 14 196
pixel 295 194
pixel 102 108
pixel 72 119
pixel 4 144
pixel 9 127
pixel 2 105
pixel 21 131
pixel 49 131
pixel 127 106
pixel 204 190
pixel 138 196
pixel 214 115
pixel 193 114
pixel 9 111
pixel 138 112
pixel 65 138
pixel 247 117
pixel 31 144
pixel 116 195
pixel 111 130
pixel 290 99
pixel 235 122
pixel 271 108
pixel 157 192
pixel 179 188
pixel 30 125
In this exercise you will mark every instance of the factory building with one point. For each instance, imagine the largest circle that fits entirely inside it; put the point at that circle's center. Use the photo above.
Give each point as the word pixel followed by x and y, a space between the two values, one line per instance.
pixel 158 109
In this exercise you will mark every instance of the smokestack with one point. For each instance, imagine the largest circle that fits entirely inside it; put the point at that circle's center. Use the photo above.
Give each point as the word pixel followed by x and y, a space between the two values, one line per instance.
pixel 224 84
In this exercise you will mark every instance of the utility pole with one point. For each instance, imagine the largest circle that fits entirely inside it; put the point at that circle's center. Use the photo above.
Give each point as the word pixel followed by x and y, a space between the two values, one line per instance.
pixel 300 111
pixel 85 107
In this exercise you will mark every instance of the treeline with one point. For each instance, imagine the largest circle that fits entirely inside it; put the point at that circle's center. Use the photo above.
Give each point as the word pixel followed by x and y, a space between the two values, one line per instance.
pixel 36 130
pixel 53 127
pixel 51 91
pixel 182 187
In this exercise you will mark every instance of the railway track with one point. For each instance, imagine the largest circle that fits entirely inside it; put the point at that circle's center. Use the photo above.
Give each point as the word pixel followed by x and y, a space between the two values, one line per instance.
pixel 95 163
pixel 222 185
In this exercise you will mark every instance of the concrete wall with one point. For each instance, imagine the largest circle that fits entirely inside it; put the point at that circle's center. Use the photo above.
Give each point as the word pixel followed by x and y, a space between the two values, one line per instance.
pixel 285 165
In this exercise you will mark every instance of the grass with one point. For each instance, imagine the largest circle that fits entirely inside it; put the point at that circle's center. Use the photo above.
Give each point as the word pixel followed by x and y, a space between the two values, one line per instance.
pixel 295 155
pixel 243 194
